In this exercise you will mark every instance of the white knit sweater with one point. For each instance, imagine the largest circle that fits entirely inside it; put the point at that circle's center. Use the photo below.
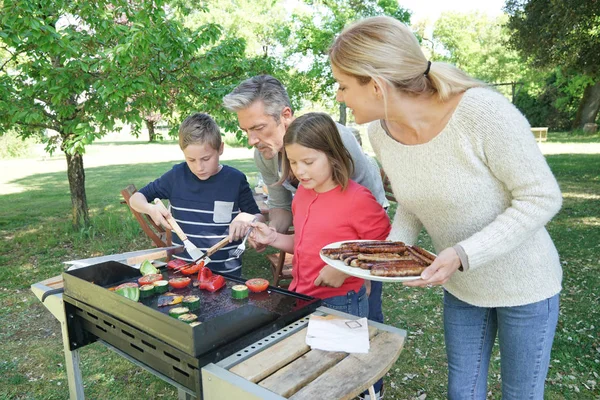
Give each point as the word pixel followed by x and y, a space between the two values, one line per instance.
pixel 481 183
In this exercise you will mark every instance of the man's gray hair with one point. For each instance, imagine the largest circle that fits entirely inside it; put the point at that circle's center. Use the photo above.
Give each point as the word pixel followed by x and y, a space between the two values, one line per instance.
pixel 263 88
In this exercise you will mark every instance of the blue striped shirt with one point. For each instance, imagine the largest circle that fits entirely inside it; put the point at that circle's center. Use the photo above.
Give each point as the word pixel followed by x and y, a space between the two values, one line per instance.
pixel 204 209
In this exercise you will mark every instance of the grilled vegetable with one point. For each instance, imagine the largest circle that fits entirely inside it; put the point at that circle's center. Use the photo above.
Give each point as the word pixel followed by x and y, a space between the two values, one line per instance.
pixel 257 285
pixel 191 302
pixel 126 285
pixel 147 268
pixel 169 300
pixel 176 264
pixel 132 293
pixel 146 291
pixel 177 311
pixel 188 318
pixel 195 323
pixel 161 286
pixel 192 269
pixel 179 283
pixel 149 279
pixel 208 281
pixel 239 292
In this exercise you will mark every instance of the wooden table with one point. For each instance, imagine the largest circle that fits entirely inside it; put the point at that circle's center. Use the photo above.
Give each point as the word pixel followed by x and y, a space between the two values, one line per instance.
pixel 289 369
pixel 541 133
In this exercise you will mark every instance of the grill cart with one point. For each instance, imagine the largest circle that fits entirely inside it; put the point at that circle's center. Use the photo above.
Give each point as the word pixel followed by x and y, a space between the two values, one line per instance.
pixel 252 348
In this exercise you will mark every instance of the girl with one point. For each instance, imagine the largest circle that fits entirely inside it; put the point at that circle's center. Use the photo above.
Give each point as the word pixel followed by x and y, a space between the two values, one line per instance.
pixel 464 165
pixel 328 207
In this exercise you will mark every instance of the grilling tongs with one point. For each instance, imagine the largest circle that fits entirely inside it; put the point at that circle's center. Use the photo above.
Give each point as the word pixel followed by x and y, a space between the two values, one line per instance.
pixel 195 253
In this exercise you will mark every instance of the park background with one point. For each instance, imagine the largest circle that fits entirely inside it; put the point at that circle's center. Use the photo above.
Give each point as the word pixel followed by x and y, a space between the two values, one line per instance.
pixel 91 95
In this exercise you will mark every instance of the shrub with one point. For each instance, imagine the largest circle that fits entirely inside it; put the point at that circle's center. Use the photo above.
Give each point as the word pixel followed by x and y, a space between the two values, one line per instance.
pixel 13 146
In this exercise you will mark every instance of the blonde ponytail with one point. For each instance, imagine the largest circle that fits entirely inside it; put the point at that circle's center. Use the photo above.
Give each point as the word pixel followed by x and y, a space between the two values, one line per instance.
pixel 385 50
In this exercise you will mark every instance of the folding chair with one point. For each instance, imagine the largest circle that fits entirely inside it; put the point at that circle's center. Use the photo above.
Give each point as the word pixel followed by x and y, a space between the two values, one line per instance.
pixel 159 236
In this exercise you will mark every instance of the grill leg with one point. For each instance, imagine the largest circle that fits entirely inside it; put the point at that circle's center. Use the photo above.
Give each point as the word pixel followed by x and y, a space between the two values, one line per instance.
pixel 183 395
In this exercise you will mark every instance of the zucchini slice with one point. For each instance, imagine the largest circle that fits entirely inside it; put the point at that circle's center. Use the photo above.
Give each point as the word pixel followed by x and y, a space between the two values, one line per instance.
pixel 191 302
pixel 239 292
pixel 161 286
pixel 188 318
pixel 177 311
pixel 146 291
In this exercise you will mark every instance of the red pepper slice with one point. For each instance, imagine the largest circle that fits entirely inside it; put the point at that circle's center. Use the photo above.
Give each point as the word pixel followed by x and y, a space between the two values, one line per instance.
pixel 192 269
pixel 216 283
pixel 176 264
pixel 208 281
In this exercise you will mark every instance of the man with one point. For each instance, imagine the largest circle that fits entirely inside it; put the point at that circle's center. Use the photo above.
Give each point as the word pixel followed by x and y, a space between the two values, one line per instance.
pixel 264 112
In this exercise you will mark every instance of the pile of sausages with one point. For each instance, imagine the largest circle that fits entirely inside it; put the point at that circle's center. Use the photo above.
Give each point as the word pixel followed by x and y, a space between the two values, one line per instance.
pixel 382 258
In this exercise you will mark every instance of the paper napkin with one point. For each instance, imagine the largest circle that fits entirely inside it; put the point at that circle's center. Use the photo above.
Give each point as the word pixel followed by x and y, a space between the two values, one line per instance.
pixel 335 334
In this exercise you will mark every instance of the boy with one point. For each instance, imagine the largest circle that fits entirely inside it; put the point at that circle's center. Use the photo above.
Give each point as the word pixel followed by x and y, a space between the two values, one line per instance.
pixel 204 195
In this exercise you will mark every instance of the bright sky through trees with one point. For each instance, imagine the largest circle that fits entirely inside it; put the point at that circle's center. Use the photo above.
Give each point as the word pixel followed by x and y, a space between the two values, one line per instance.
pixel 432 9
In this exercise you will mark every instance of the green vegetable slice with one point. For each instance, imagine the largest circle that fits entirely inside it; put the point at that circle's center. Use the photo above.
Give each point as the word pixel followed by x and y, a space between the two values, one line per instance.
pixel 147 268
pixel 132 293
pixel 239 292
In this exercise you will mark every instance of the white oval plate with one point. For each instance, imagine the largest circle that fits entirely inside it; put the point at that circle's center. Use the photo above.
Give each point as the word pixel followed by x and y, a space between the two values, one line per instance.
pixel 359 272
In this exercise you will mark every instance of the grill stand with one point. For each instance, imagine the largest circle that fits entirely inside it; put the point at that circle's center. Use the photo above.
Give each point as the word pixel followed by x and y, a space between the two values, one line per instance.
pixel 217 379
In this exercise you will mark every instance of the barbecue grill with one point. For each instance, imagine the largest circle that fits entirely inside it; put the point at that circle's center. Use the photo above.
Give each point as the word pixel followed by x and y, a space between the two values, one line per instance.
pixel 146 332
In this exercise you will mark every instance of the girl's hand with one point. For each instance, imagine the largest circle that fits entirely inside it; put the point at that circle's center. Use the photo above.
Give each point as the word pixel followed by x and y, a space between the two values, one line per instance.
pixel 159 215
pixel 262 234
pixel 440 270
pixel 330 277
pixel 240 225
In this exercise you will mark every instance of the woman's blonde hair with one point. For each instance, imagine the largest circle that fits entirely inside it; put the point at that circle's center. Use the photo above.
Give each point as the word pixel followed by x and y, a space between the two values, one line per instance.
pixel 318 131
pixel 385 50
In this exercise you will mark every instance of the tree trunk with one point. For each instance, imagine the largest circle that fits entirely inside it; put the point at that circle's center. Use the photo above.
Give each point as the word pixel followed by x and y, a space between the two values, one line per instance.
pixel 151 132
pixel 588 107
pixel 343 113
pixel 76 176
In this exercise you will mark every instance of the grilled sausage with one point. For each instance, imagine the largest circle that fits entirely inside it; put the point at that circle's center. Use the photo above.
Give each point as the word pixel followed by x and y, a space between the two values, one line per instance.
pixel 383 257
pixel 392 270
pixel 419 256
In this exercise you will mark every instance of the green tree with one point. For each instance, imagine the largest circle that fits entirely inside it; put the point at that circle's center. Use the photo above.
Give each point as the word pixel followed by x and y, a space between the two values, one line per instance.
pixel 77 67
pixel 307 39
pixel 476 43
pixel 563 34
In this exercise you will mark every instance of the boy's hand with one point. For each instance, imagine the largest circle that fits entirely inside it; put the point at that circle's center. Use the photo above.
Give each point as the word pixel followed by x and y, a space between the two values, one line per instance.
pixel 240 225
pixel 156 213
pixel 262 235
pixel 330 277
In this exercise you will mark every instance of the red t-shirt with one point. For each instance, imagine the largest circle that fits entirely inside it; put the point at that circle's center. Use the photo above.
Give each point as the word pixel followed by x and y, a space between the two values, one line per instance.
pixel 324 218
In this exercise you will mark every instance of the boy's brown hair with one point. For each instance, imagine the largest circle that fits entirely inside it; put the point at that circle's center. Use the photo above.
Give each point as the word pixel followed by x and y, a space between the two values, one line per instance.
pixel 199 128
pixel 318 131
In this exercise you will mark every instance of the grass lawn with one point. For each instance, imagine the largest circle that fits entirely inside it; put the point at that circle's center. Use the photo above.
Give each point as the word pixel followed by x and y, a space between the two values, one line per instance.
pixel 36 237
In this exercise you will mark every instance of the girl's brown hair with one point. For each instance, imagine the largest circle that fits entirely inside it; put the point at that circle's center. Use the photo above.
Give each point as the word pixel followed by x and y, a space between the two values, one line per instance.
pixel 318 131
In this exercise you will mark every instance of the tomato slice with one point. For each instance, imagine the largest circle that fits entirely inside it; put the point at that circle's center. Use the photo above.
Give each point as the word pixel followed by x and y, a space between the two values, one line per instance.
pixel 176 263
pixel 149 279
pixel 257 284
pixel 125 285
pixel 179 283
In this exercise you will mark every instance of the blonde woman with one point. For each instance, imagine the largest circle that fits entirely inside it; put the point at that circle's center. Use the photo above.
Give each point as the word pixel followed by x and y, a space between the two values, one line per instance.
pixel 464 165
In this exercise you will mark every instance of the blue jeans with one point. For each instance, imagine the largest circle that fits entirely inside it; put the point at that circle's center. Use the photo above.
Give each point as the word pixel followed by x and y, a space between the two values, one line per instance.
pixel 351 303
pixel 375 311
pixel 376 314
pixel 525 335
